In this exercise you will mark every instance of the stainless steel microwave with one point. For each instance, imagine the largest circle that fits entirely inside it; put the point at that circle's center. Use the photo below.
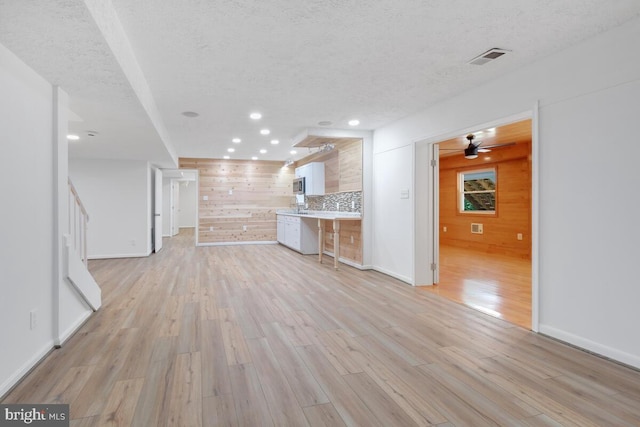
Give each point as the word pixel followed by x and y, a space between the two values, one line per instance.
pixel 298 186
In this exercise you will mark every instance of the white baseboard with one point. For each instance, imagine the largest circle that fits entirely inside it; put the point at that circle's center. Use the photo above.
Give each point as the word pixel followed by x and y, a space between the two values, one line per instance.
pixel 259 242
pixel 394 275
pixel 591 346
pixel 134 255
pixel 26 368
pixel 187 226
pixel 74 327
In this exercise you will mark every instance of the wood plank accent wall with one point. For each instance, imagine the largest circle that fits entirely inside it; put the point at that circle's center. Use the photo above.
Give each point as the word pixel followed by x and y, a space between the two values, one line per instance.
pixel 513 199
pixel 259 188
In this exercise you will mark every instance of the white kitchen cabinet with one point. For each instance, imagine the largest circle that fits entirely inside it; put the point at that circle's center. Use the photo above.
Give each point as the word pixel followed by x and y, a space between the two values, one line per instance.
pixel 313 174
pixel 298 233
pixel 280 226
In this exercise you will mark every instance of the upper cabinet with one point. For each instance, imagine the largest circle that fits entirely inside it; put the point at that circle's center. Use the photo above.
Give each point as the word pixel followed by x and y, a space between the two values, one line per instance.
pixel 313 174
pixel 342 165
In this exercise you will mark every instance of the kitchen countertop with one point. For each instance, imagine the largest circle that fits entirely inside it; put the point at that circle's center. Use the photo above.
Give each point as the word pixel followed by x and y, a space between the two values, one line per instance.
pixel 321 214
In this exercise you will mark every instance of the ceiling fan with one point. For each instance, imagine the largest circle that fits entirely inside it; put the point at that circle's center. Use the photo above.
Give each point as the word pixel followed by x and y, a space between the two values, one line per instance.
pixel 472 150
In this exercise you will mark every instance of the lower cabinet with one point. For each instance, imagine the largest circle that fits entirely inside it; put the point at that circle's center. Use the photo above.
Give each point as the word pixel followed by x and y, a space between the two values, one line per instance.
pixel 298 233
pixel 280 228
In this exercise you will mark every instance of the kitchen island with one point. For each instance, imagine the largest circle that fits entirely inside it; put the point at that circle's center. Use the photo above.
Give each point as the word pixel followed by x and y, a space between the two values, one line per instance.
pixel 321 216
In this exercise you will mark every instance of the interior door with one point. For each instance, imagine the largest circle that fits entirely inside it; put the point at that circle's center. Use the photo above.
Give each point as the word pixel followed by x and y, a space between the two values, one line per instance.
pixel 157 212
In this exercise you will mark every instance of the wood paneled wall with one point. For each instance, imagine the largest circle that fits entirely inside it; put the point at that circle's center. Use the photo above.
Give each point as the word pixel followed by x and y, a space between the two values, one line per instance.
pixel 348 229
pixel 258 189
pixel 513 199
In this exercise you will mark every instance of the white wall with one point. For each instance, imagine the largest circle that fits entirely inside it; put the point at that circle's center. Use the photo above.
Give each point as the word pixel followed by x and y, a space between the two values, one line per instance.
pixel 33 130
pixel 116 194
pixel 588 95
pixel 188 204
pixel 589 228
pixel 26 252
pixel 388 207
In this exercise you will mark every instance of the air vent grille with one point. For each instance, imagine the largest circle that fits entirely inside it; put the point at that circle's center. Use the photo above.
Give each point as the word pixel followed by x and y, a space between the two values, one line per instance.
pixel 489 55
pixel 476 228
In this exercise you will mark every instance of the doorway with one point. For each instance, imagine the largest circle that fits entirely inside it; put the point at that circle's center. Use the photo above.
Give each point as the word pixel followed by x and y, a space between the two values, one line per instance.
pixel 180 204
pixel 484 217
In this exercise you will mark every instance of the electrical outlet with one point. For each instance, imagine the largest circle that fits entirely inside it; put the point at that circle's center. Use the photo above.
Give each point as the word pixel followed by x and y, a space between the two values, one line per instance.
pixel 210 228
pixel 353 204
pixel 444 229
pixel 33 319
pixel 244 228
pixel 519 236
pixel 337 206
pixel 323 205
pixel 205 198
pixel 231 192
pixel 352 240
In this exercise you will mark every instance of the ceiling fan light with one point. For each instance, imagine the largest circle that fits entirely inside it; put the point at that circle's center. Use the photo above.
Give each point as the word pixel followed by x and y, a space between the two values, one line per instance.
pixel 471 152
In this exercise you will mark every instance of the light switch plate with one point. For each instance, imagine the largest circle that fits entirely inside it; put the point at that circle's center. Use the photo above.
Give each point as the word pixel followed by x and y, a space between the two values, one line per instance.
pixel 404 193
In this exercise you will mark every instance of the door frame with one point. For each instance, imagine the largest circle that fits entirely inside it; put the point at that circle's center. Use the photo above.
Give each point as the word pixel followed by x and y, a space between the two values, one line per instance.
pixel 427 239
pixel 157 210
pixel 196 181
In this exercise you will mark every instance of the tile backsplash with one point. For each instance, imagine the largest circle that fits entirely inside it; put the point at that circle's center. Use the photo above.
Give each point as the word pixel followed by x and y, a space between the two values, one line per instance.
pixel 350 201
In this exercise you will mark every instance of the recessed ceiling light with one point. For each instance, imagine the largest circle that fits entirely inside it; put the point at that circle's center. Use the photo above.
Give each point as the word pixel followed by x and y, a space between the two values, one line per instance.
pixel 226 157
pixel 275 142
pixel 324 123
pixel 255 116
pixel 263 151
pixel 73 137
pixel 190 114
pixel 236 140
pixel 354 122
pixel 292 152
pixel 254 158
pixel 265 131
pixel 231 150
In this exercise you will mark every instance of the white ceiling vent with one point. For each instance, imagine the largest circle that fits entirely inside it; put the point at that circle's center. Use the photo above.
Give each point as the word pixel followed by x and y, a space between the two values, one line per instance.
pixel 489 55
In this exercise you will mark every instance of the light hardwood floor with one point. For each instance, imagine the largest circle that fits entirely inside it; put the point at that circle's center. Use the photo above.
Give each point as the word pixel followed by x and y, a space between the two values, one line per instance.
pixel 260 335
pixel 495 284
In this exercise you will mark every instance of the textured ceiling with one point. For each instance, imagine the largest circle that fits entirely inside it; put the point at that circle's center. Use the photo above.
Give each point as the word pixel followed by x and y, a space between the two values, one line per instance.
pixel 132 67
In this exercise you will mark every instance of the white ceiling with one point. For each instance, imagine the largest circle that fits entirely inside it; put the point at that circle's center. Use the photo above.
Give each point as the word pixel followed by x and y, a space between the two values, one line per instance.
pixel 132 67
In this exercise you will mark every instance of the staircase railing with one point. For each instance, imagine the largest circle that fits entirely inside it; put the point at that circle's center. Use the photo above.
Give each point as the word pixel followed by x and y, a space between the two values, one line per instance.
pixel 78 219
